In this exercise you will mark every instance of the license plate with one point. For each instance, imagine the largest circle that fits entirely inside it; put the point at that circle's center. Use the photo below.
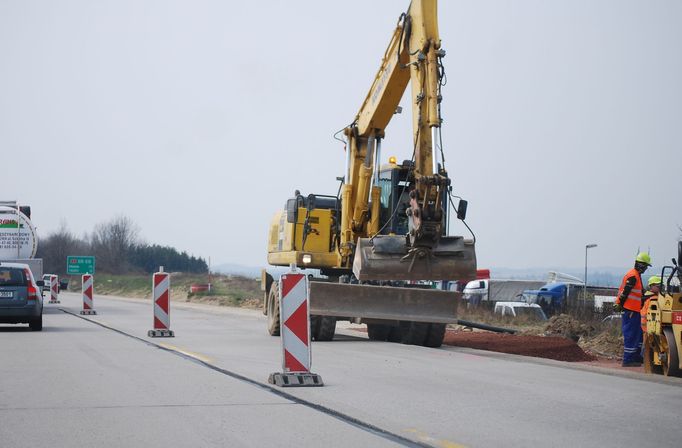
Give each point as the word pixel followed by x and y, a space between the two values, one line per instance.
pixel 6 294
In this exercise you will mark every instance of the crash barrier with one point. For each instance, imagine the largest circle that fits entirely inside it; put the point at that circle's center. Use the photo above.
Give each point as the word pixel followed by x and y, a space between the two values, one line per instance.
pixel 54 289
pixel 161 298
pixel 87 287
pixel 295 324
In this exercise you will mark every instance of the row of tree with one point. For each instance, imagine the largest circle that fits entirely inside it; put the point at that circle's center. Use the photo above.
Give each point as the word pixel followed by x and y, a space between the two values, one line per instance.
pixel 117 248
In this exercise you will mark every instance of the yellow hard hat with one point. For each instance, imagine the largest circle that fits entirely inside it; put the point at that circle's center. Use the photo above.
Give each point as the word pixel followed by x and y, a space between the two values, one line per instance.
pixel 654 280
pixel 643 257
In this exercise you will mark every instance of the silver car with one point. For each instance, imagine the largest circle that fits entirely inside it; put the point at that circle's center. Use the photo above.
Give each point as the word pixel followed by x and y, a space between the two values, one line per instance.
pixel 21 300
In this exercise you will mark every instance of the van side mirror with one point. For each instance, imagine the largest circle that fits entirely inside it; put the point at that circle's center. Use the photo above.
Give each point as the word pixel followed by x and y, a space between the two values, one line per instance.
pixel 40 283
pixel 462 209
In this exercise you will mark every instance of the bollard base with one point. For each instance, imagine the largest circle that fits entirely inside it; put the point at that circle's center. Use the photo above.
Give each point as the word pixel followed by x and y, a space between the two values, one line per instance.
pixel 295 379
pixel 54 301
pixel 88 312
pixel 161 334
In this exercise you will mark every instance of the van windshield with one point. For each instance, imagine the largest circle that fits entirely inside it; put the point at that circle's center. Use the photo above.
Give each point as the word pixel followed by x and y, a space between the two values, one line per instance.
pixel 12 277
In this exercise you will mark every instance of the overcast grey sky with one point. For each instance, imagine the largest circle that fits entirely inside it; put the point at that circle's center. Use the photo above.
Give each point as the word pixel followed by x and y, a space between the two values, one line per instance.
pixel 197 119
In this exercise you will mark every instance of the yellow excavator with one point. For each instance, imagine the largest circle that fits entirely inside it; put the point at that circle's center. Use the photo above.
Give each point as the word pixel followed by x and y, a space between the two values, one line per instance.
pixel 381 241
pixel 663 337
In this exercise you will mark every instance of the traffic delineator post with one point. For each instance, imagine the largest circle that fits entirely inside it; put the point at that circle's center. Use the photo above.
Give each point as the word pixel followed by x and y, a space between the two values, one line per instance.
pixel 161 299
pixel 54 289
pixel 295 333
pixel 87 288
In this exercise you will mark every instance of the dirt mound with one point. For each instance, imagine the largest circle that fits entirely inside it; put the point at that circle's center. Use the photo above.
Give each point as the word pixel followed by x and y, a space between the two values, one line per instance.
pixel 558 348
pixel 607 344
pixel 568 327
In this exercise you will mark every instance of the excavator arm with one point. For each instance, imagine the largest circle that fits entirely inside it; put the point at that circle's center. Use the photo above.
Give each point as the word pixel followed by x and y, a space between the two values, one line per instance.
pixel 412 57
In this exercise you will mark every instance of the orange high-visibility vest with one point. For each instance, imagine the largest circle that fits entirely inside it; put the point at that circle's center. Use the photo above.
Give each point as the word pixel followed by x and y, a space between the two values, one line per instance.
pixel 633 302
pixel 645 308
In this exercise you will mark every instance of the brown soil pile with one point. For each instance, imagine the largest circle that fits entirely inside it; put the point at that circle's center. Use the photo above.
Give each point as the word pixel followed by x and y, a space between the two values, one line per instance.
pixel 568 327
pixel 558 348
pixel 606 344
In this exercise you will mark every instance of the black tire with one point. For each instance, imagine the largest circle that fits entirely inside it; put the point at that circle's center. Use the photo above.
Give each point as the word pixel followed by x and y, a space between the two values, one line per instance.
pixel 435 336
pixel 378 332
pixel 414 333
pixel 273 310
pixel 315 322
pixel 671 366
pixel 327 328
pixel 394 334
pixel 269 281
pixel 36 324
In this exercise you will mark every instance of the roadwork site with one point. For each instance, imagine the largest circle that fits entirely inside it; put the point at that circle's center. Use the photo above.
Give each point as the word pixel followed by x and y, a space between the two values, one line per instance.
pixel 366 224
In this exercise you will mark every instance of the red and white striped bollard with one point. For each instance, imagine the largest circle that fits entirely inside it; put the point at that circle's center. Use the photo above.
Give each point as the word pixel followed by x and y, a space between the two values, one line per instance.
pixel 87 289
pixel 161 298
pixel 295 324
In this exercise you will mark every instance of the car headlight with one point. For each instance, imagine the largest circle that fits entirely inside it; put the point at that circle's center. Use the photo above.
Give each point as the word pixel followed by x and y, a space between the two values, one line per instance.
pixel 307 259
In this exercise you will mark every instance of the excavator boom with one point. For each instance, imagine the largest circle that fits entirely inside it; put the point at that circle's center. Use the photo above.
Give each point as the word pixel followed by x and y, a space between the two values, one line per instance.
pixel 425 253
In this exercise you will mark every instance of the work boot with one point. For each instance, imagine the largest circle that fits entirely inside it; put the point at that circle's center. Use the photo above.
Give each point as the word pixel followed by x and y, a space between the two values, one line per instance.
pixel 632 364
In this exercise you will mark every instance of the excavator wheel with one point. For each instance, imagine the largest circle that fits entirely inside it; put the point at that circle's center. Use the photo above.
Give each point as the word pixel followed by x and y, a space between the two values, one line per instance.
pixel 435 336
pixel 414 333
pixel 671 361
pixel 273 310
pixel 394 334
pixel 378 332
pixel 326 329
pixel 314 326
pixel 649 365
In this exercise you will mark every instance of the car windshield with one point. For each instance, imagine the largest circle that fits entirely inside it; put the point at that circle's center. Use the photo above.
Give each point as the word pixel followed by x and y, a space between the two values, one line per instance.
pixel 12 277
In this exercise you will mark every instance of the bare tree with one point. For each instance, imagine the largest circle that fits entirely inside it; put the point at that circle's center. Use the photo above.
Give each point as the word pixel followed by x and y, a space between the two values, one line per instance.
pixel 57 246
pixel 111 243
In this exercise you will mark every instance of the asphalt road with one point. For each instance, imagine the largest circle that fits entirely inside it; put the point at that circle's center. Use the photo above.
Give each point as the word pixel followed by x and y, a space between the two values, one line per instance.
pixel 100 381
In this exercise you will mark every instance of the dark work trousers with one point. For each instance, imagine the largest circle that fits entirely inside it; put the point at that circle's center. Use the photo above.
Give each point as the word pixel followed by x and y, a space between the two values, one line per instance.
pixel 632 337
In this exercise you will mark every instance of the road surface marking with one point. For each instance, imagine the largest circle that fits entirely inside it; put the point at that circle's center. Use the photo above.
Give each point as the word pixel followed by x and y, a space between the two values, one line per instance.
pixel 194 355
pixel 424 437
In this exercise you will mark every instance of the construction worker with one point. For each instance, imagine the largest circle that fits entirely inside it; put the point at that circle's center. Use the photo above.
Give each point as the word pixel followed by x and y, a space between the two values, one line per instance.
pixel 654 286
pixel 629 301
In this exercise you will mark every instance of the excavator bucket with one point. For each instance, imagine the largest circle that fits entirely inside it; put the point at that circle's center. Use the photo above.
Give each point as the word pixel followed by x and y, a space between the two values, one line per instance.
pixel 389 257
pixel 382 302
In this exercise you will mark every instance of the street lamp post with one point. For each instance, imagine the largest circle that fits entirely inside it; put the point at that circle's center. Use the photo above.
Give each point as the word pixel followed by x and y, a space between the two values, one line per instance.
pixel 588 246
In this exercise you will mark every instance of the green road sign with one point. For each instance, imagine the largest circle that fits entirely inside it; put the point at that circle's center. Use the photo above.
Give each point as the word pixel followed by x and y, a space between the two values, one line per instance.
pixel 80 265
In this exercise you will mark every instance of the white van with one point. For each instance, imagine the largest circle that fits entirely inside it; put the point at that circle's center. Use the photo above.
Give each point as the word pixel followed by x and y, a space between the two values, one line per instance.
pixel 531 311
pixel 494 290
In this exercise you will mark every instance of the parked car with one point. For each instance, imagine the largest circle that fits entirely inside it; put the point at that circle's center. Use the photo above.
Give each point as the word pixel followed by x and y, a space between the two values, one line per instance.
pixel 520 309
pixel 63 284
pixel 20 298
pixel 489 291
pixel 46 283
